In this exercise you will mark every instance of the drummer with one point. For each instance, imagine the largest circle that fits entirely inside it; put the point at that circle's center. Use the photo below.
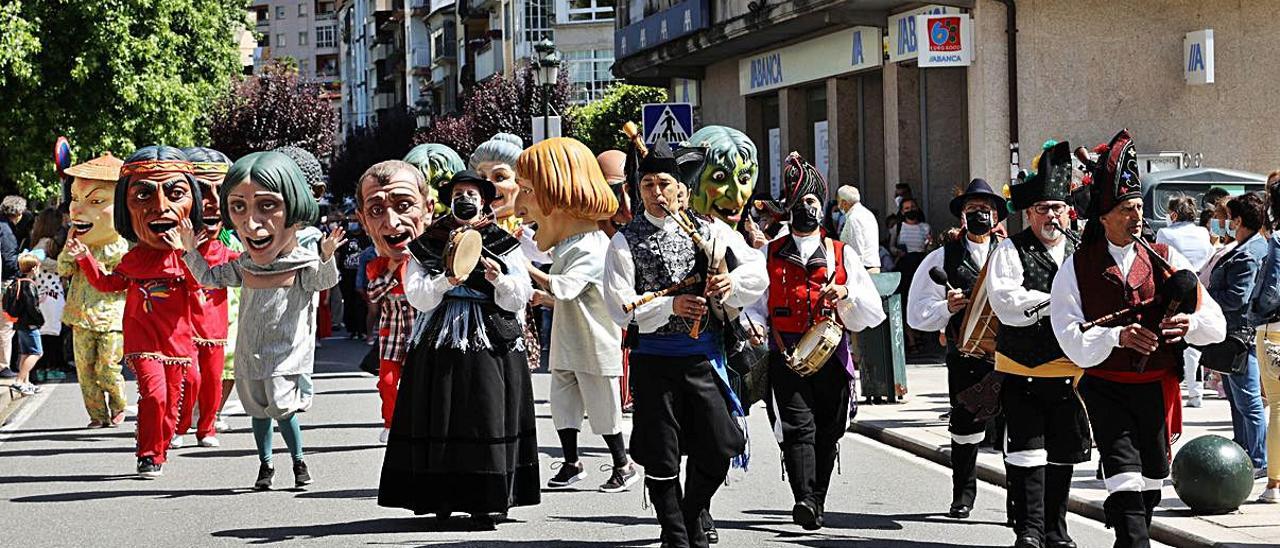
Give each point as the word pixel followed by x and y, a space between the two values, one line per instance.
pixel 811 412
pixel 933 307
pixel 1047 430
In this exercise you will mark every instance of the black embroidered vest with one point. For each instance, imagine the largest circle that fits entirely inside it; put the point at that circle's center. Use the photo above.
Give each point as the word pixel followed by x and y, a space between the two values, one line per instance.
pixel 663 259
pixel 1034 344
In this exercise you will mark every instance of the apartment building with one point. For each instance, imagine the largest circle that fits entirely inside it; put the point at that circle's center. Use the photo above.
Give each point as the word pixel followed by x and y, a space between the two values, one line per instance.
pixel 305 31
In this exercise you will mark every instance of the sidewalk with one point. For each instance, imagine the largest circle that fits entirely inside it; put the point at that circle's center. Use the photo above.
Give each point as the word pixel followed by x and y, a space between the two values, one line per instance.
pixel 914 425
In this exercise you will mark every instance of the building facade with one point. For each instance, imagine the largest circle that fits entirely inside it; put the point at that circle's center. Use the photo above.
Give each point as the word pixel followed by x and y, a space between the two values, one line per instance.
pixel 305 31
pixel 841 82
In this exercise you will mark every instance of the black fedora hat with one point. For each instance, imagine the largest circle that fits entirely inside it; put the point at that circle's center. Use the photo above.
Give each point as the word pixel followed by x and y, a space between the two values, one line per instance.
pixel 978 188
pixel 487 191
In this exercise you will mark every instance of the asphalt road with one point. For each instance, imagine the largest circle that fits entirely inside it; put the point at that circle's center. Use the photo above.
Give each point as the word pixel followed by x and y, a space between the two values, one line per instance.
pixel 62 485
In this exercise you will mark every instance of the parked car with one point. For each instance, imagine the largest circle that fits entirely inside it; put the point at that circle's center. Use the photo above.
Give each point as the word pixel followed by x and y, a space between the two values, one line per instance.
pixel 1161 186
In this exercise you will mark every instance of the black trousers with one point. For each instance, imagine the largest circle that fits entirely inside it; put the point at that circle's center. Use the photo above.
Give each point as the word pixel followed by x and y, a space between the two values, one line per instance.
pixel 354 309
pixel 681 409
pixel 812 414
pixel 1045 413
pixel 1129 426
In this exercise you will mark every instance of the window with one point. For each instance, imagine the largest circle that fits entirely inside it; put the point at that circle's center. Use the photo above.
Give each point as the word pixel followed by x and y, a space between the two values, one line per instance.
pixel 279 12
pixel 280 40
pixel 538 18
pixel 585 11
pixel 589 76
pixel 264 41
pixel 302 10
pixel 442 42
pixel 302 38
pixel 326 36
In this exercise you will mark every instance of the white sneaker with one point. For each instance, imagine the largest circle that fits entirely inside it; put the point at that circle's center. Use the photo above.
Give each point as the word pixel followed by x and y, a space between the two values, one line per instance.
pixel 221 426
pixel 210 441
pixel 382 437
pixel 1194 402
pixel 177 442
pixel 1270 495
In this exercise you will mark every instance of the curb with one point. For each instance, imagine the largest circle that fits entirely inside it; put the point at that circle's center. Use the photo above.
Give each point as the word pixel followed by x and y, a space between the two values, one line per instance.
pixel 1159 531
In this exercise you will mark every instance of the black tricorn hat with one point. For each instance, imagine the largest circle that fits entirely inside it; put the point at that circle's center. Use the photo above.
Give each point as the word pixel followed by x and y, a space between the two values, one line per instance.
pixel 979 188
pixel 1050 182
pixel 659 160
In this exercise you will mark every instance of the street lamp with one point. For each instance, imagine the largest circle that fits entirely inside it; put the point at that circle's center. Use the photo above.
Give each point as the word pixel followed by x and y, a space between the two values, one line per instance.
pixel 547 67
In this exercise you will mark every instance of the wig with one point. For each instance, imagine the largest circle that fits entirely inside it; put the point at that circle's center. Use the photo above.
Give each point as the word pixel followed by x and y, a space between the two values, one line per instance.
pixel 382 172
pixel 566 177
pixel 130 174
pixel 503 148
pixel 278 173
pixel 207 158
pixel 306 162
pixel 437 162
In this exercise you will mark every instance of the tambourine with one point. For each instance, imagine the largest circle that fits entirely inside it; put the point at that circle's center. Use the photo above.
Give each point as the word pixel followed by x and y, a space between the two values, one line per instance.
pixel 462 253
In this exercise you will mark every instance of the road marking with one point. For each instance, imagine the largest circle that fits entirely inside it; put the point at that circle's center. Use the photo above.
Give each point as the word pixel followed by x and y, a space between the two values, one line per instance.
pixel 25 410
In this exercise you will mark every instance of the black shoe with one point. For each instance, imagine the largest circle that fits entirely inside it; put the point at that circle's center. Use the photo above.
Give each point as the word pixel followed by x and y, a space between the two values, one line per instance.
pixel 147 467
pixel 483 522
pixel 569 474
pixel 1060 544
pixel 621 479
pixel 301 476
pixel 959 511
pixel 805 514
pixel 265 473
pixel 1028 542
pixel 709 527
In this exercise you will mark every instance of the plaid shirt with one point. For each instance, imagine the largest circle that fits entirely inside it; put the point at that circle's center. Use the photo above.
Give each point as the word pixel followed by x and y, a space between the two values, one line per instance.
pixel 396 319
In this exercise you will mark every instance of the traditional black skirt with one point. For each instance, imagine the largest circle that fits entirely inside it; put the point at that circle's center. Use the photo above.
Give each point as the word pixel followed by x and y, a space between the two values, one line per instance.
pixel 463 436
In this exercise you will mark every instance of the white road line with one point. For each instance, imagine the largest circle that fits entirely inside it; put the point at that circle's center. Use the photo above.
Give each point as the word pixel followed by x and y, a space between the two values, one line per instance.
pixel 25 411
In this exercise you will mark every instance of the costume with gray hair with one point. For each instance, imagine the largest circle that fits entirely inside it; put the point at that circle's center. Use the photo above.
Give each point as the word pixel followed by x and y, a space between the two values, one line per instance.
pixel 502 148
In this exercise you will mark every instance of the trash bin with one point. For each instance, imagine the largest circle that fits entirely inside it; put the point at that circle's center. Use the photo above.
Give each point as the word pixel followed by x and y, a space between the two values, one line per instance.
pixel 880 351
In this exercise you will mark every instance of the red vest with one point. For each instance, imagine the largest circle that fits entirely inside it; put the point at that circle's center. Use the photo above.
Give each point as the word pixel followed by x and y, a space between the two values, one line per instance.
pixel 795 288
pixel 1102 292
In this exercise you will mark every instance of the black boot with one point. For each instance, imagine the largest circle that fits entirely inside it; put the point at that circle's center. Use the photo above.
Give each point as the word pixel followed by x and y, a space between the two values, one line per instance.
pixel 1057 490
pixel 964 478
pixel 801 462
pixel 1150 500
pixel 826 458
pixel 1026 491
pixel 702 479
pixel 1126 512
pixel 666 497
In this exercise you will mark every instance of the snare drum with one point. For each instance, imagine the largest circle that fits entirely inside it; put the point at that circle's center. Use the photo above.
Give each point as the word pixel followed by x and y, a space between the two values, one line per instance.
pixel 816 347
pixel 462 253
pixel 978 332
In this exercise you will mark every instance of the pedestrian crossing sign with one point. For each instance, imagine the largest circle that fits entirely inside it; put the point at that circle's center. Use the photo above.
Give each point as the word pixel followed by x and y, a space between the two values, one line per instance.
pixel 670 122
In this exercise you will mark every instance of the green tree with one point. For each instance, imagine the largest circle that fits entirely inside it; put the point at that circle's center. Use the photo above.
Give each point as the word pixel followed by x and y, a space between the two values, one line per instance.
pixel 598 124
pixel 110 75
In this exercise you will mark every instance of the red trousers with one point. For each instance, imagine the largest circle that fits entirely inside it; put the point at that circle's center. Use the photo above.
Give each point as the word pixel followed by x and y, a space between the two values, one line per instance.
pixel 205 383
pixel 161 394
pixel 388 385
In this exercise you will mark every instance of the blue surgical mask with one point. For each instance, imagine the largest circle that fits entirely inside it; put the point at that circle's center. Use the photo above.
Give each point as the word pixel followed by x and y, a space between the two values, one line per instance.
pixel 1221 228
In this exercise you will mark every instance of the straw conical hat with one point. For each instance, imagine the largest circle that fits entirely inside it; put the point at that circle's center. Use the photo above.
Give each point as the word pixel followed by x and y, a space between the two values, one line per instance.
pixel 102 168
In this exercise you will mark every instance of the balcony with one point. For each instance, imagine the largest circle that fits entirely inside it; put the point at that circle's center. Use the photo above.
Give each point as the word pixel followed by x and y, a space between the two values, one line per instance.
pixel 488 60
pixel 379 52
pixel 421 59
pixel 383 101
pixel 437 5
pixel 382 6
pixel 474 9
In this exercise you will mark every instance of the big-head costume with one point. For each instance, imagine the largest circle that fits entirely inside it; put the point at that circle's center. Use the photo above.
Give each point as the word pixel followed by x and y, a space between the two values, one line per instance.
pixel 437 163
pixel 157 188
pixel 94 316
pixel 721 176
pixel 1133 400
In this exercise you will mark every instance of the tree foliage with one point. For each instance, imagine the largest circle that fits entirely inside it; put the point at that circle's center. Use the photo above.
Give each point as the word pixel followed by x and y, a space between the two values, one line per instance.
pixel 274 109
pixel 390 139
pixel 499 105
pixel 598 124
pixel 110 75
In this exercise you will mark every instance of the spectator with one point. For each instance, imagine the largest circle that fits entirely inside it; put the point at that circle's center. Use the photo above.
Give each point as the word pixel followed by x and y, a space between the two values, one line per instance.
pixel 8 271
pixel 14 211
pixel 860 230
pixel 833 218
pixel 912 236
pixel 1266 315
pixel 1231 285
pixel 1184 235
pixel 22 302
pixel 354 309
pixel 362 286
pixel 49 287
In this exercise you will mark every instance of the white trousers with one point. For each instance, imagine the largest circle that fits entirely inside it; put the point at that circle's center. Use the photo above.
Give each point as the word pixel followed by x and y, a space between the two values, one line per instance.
pixel 574 393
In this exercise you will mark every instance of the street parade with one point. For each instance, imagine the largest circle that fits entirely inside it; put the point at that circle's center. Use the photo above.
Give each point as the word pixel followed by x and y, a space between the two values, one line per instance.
pixel 759 313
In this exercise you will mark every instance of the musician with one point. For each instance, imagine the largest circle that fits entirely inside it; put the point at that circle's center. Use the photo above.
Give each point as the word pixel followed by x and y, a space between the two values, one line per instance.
pixel 933 307
pixel 1047 430
pixel 1130 383
pixel 683 403
pixel 812 277
pixel 463 435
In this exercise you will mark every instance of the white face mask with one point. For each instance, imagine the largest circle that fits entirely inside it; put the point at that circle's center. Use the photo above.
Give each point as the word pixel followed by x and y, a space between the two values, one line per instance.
pixel 1221 228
